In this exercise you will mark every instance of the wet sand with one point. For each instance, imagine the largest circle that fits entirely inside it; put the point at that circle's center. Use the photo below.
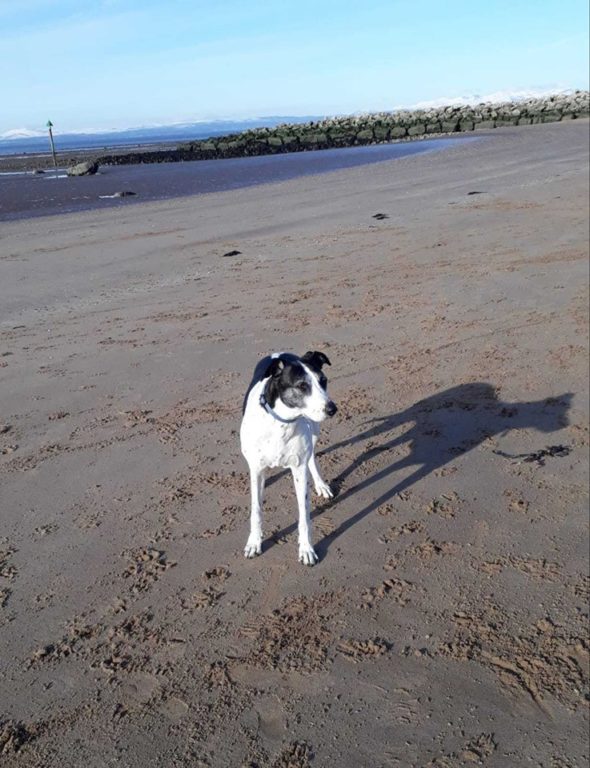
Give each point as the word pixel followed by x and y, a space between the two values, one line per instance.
pixel 446 622
pixel 23 195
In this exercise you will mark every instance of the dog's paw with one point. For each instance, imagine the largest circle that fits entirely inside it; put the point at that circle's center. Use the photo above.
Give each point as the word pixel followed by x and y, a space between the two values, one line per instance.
pixel 253 546
pixel 324 490
pixel 307 555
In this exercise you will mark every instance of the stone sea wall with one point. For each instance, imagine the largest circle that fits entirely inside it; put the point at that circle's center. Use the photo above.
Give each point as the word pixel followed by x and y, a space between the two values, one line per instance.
pixel 369 129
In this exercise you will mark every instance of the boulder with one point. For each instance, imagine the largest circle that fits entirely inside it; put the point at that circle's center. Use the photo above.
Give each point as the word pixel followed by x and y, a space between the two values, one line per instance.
pixel 290 142
pixel 339 137
pixel 314 140
pixel 364 137
pixel 381 132
pixel 258 146
pixel 398 132
pixel 88 168
pixel 485 124
pixel 236 148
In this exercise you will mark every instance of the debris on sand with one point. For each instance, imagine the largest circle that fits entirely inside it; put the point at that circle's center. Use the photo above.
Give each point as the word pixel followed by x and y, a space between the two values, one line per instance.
pixel 538 456
pixel 123 193
pixel 13 735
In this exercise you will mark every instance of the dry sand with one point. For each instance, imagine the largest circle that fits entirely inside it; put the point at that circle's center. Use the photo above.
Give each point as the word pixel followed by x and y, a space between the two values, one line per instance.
pixel 446 623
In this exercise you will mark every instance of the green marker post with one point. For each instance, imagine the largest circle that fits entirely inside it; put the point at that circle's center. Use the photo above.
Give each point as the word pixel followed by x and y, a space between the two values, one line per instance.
pixel 50 126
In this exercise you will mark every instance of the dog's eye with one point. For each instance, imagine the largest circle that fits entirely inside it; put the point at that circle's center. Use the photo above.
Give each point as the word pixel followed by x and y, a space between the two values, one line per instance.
pixel 323 382
pixel 303 386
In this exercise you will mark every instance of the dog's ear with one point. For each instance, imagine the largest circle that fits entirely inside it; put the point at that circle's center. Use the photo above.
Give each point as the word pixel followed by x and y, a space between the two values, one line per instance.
pixel 275 368
pixel 316 360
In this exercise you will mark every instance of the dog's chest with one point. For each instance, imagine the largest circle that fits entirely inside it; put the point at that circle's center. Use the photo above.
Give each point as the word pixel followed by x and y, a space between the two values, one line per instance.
pixel 276 445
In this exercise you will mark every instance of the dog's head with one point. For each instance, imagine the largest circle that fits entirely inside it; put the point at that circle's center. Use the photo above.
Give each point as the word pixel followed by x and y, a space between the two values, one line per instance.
pixel 300 384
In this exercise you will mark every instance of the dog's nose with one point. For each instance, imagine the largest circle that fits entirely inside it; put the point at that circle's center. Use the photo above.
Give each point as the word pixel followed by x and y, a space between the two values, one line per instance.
pixel 331 408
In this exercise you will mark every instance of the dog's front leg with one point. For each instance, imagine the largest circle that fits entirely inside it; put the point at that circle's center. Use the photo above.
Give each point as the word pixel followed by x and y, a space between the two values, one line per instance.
pixel 321 487
pixel 254 543
pixel 306 551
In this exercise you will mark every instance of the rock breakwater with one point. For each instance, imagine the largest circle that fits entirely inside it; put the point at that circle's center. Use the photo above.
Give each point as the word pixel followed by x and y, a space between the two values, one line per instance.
pixel 368 129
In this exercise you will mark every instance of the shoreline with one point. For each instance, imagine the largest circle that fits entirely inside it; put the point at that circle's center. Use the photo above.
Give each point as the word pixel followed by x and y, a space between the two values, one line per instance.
pixel 452 587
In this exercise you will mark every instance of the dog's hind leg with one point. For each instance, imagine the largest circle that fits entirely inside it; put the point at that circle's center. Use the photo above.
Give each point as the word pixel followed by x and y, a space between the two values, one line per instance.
pixel 306 552
pixel 254 544
pixel 321 487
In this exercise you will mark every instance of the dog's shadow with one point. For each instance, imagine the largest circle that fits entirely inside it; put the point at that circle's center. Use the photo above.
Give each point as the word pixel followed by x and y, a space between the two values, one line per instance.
pixel 440 428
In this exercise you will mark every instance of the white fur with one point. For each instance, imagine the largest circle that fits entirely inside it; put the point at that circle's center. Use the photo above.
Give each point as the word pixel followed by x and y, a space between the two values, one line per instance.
pixel 268 440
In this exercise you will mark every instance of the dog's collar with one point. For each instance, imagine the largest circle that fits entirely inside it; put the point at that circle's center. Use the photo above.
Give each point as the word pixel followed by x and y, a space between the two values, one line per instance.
pixel 265 404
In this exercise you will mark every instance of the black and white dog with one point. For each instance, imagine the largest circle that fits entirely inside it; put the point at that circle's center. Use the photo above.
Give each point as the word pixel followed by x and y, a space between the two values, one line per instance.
pixel 284 405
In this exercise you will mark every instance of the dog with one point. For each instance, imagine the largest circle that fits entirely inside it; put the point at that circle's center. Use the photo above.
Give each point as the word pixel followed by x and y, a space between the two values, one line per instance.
pixel 283 407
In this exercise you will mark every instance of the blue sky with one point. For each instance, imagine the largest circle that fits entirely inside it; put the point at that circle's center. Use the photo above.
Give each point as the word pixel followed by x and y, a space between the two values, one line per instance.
pixel 123 63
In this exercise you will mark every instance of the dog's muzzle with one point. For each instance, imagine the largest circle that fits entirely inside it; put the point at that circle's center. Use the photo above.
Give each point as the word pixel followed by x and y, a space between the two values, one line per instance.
pixel 330 408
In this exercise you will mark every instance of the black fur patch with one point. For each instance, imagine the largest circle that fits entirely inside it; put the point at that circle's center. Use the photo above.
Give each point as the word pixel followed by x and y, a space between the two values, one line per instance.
pixel 290 383
pixel 315 361
pixel 265 368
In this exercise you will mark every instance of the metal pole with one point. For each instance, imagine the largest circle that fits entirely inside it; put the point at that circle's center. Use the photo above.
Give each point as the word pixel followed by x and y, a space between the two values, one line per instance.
pixel 50 126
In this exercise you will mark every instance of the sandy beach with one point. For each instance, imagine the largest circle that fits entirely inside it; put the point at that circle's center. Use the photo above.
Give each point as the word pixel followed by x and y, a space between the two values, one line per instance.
pixel 446 622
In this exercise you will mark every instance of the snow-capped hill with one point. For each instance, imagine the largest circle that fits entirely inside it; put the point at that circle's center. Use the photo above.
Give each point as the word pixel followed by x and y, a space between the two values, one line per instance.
pixel 498 97
pixel 20 133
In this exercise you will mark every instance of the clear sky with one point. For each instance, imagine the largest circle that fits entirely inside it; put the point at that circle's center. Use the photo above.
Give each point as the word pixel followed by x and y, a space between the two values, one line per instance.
pixel 125 63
